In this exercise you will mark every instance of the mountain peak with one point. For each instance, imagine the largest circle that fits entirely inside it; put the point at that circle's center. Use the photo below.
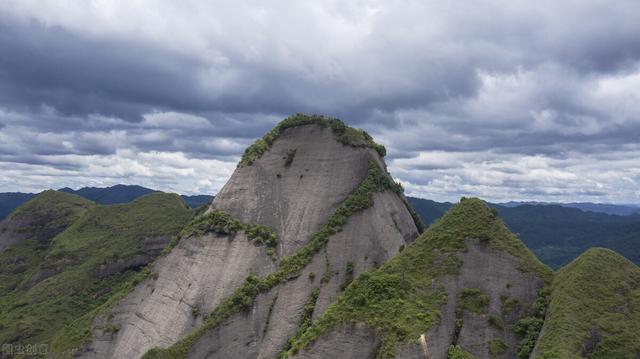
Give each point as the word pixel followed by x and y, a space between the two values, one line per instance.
pixel 594 309
pixel 42 217
pixel 344 134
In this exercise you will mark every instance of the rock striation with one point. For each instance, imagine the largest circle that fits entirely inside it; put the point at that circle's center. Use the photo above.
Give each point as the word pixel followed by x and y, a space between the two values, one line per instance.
pixel 463 286
pixel 307 179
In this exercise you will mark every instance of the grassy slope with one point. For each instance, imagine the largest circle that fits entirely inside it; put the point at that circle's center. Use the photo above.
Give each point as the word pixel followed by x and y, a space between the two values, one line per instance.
pixel 599 292
pixel 48 214
pixel 104 234
pixel 557 234
pixel 399 299
pixel 42 218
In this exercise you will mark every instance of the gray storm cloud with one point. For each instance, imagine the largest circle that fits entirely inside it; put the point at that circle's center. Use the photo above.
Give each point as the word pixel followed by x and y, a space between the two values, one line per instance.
pixel 506 101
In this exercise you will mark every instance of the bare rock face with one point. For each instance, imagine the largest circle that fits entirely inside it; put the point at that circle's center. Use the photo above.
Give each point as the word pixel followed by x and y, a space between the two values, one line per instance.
pixel 346 342
pixel 293 195
pixel 457 291
pixel 510 292
pixel 370 238
pixel 495 274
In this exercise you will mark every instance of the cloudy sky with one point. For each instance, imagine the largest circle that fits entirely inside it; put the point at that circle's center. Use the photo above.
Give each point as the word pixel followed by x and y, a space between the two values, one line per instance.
pixel 506 100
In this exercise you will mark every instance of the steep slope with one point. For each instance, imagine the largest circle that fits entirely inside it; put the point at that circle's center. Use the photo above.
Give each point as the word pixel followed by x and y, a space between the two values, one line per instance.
pixel 93 259
pixel 594 310
pixel 309 207
pixel 462 286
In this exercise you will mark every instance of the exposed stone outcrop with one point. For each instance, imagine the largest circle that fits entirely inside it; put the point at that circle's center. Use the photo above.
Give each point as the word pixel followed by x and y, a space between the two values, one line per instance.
pixel 495 273
pixel 482 274
pixel 292 188
pixel 369 239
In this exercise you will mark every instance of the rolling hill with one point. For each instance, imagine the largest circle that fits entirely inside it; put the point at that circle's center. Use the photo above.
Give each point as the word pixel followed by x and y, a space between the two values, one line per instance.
pixel 558 234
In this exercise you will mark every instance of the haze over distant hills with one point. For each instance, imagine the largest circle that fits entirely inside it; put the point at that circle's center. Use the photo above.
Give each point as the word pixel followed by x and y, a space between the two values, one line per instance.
pixel 103 195
pixel 432 210
pixel 617 209
pixel 556 233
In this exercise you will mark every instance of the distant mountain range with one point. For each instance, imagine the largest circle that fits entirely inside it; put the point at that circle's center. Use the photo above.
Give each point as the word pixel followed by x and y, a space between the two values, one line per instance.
pixel 615 209
pixel 556 233
pixel 102 195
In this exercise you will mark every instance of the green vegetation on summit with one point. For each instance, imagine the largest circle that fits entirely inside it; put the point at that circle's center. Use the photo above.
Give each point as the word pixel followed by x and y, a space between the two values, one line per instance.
pixel 557 234
pixel 594 310
pixel 28 231
pixel 399 299
pixel 88 264
pixel 346 135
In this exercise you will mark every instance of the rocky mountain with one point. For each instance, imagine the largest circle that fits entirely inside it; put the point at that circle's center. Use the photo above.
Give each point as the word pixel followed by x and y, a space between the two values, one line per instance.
pixel 464 286
pixel 311 250
pixel 309 207
pixel 557 234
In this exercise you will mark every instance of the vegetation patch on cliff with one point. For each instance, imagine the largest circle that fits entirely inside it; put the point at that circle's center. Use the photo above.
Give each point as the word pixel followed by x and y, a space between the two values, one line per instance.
pixel 455 352
pixel 473 300
pixel 346 135
pixel 222 222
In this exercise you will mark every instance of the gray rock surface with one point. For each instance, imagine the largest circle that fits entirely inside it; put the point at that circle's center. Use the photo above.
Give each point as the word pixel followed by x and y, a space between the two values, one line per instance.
pixel 370 237
pixel 349 341
pixel 495 273
pixel 200 272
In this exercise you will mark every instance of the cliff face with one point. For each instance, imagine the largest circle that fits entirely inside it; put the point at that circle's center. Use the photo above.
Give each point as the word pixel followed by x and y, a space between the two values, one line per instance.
pixel 322 190
pixel 460 289
pixel 485 300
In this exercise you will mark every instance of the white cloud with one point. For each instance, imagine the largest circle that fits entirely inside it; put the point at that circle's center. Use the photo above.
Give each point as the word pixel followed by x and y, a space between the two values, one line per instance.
pixel 506 100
